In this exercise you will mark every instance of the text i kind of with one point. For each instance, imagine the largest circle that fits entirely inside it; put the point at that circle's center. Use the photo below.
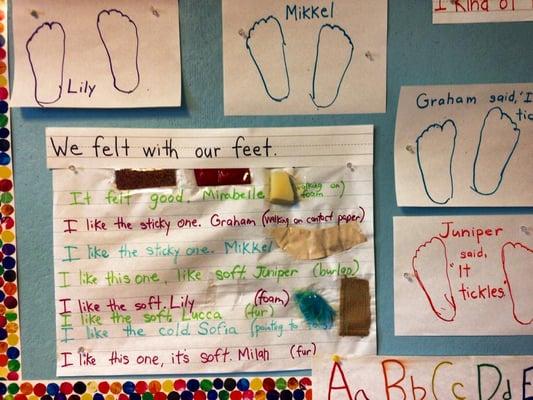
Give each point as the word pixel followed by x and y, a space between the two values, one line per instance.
pixel 476 5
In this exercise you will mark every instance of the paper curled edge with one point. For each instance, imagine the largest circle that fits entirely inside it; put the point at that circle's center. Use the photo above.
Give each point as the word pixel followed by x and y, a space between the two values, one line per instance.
pixel 313 244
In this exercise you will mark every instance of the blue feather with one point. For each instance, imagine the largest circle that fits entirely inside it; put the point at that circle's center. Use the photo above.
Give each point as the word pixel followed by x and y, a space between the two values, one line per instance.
pixel 315 309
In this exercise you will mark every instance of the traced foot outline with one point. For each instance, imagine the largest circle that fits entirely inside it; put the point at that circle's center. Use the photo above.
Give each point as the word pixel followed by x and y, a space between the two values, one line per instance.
pixel 506 162
pixel 109 56
pixel 250 34
pixel 448 297
pixel 50 26
pixel 352 47
pixel 420 167
pixel 505 267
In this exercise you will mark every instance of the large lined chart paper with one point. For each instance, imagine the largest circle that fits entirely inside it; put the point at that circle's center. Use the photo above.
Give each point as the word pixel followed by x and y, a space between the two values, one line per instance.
pixel 188 278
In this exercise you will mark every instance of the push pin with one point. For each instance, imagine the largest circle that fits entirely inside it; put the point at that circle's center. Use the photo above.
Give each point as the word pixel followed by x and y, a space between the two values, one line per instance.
pixel 369 55
pixel 408 276
pixel 410 149
pixel 154 11
pixel 34 14
pixel 243 33
pixel 350 167
pixel 525 229
pixel 81 350
pixel 336 359
pixel 73 169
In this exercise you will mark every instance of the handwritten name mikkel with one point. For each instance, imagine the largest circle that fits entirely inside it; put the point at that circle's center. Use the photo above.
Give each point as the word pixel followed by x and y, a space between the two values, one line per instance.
pixel 304 12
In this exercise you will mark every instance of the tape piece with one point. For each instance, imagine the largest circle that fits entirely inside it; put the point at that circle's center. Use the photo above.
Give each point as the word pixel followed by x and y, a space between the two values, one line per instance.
pixel 221 177
pixel 282 188
pixel 355 315
pixel 128 179
pixel 313 244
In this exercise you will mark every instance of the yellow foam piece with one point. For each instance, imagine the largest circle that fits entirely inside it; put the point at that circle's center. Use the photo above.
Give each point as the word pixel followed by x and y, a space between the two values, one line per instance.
pixel 282 190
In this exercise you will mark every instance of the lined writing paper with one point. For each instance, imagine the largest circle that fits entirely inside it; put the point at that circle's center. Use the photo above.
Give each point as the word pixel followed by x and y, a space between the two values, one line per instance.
pixel 188 278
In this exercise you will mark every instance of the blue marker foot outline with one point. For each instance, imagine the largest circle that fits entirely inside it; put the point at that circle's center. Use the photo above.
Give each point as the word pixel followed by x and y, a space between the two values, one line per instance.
pixel 334 53
pixel 435 148
pixel 46 55
pixel 266 44
pixel 120 37
pixel 498 139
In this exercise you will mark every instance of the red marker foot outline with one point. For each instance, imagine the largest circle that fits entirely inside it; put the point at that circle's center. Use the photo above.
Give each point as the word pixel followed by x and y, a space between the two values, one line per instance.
pixel 437 289
pixel 517 273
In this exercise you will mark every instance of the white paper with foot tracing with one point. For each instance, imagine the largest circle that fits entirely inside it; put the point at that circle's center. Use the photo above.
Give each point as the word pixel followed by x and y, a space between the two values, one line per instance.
pixel 465 145
pixel 325 57
pixel 96 54
pixel 463 275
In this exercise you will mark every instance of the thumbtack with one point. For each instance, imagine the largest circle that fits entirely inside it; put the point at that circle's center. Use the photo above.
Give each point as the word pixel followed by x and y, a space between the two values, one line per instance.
pixel 350 166
pixel 525 229
pixel 243 33
pixel 336 358
pixel 154 11
pixel 73 169
pixel 34 14
pixel 369 55
pixel 408 276
pixel 81 350
pixel 410 149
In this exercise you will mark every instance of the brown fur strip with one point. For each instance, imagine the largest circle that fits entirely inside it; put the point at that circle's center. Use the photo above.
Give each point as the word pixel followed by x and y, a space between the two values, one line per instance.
pixel 128 179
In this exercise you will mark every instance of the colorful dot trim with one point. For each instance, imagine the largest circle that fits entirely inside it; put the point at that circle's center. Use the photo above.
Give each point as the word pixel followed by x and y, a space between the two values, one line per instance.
pixel 9 327
pixel 169 389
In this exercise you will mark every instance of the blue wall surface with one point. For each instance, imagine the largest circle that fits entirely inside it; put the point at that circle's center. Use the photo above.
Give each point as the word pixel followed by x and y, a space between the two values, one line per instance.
pixel 419 53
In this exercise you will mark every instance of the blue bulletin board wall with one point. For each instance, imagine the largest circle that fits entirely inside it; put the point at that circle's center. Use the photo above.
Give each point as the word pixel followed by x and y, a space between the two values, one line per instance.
pixel 419 53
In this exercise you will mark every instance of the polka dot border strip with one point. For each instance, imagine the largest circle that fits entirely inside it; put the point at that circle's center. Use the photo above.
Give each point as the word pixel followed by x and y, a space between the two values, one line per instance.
pixel 9 327
pixel 266 388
